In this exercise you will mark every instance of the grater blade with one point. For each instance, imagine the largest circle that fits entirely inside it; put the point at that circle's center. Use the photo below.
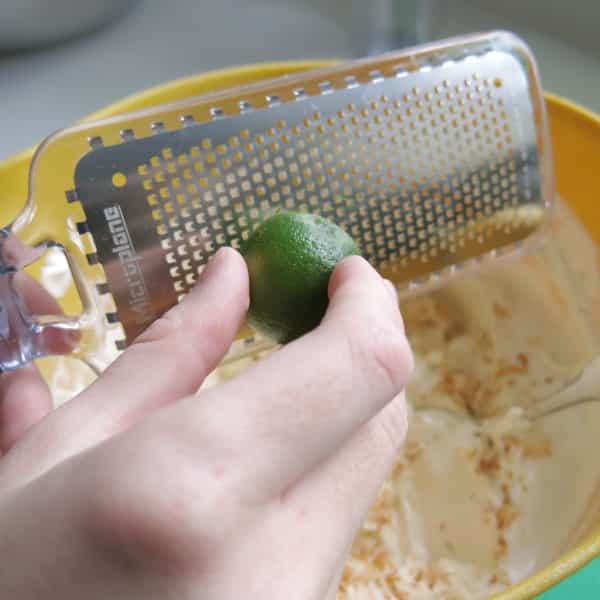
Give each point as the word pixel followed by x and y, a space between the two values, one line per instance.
pixel 432 160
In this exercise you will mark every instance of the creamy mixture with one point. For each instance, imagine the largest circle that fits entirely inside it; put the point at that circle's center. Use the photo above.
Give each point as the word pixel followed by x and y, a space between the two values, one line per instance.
pixel 471 507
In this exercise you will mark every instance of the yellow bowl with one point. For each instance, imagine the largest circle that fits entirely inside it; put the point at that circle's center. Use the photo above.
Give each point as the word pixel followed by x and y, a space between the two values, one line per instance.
pixel 576 145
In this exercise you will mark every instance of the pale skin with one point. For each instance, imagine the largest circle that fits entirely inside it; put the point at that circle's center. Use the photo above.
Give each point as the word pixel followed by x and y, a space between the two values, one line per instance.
pixel 139 488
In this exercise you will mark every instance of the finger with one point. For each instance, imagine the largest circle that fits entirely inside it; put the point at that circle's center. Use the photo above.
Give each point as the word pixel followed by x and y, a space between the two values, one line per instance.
pixel 24 400
pixel 298 406
pixel 174 355
pixel 337 494
pixel 328 505
pixel 168 361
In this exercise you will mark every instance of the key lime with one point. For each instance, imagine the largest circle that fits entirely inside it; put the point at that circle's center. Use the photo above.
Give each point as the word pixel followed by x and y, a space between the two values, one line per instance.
pixel 290 258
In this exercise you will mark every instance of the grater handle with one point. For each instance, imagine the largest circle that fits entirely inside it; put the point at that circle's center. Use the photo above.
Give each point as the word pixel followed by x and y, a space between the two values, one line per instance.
pixel 24 334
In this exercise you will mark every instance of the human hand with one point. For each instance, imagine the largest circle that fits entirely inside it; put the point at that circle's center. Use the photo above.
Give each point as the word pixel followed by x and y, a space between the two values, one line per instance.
pixel 140 489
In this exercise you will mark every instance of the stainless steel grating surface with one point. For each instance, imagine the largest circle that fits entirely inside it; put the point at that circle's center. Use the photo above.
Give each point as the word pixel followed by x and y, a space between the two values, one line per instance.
pixel 413 172
pixel 431 162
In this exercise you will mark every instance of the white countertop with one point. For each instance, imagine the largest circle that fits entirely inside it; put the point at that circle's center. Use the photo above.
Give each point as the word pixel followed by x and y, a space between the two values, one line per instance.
pixel 45 90
pixel 158 41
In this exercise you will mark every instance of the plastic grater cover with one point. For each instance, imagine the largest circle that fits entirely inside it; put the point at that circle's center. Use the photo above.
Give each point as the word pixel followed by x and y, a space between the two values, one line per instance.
pixel 434 159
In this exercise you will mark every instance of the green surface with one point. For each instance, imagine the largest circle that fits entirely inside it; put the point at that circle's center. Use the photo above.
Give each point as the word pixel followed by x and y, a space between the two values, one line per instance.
pixel 584 585
pixel 290 258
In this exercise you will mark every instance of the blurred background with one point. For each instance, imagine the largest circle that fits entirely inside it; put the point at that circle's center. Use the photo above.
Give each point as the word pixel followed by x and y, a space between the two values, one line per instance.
pixel 62 59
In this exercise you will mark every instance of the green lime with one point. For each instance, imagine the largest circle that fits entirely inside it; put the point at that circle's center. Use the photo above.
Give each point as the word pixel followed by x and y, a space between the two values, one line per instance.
pixel 290 258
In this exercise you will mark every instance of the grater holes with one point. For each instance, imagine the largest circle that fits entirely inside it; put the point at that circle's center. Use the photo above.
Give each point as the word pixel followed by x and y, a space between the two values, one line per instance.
pixel 322 164
pixel 119 180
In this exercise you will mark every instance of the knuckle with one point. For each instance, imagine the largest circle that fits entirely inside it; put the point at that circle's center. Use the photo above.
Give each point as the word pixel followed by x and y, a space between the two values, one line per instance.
pixel 213 329
pixel 162 515
pixel 165 327
pixel 130 522
pixel 380 348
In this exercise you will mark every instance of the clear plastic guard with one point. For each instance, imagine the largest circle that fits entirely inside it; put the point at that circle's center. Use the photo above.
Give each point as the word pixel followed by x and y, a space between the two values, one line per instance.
pixel 27 330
